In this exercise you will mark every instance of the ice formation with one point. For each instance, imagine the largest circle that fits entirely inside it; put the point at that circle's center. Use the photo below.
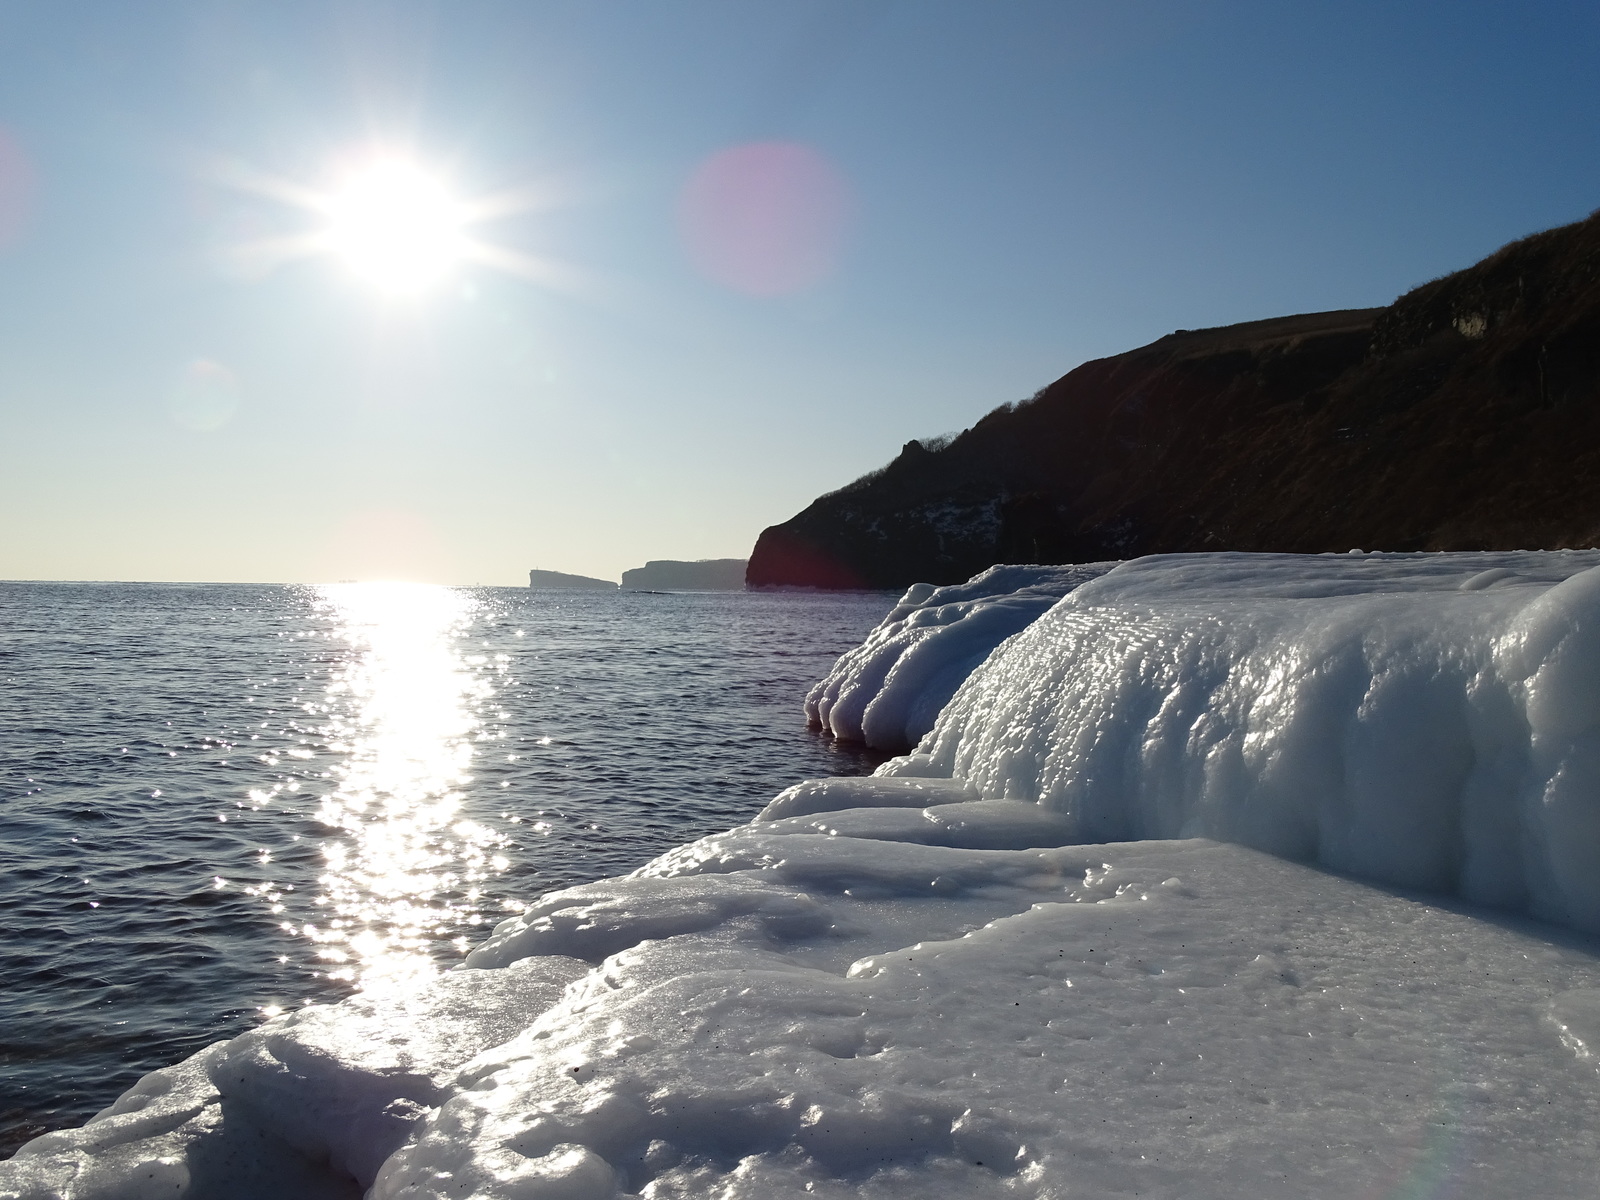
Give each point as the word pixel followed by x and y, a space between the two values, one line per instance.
pixel 957 979
pixel 805 1012
pixel 888 690
pixel 307 1105
pixel 1429 720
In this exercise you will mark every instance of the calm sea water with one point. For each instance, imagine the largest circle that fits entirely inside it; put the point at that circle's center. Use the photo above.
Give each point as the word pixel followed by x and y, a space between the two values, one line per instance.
pixel 219 801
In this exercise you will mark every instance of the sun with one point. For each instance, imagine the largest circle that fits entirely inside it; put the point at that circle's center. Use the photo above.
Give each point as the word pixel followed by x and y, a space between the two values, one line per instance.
pixel 396 223
pixel 395 226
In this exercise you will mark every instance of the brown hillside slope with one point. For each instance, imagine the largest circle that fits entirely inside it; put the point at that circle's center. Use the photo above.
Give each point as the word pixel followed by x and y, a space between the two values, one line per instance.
pixel 1466 415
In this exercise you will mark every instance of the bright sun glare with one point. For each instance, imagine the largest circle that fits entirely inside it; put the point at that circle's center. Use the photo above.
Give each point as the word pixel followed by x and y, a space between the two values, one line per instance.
pixel 396 226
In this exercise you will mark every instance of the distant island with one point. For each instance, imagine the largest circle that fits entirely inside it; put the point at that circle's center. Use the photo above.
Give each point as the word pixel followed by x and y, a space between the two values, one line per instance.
pixel 1461 417
pixel 657 575
pixel 559 579
pixel 704 575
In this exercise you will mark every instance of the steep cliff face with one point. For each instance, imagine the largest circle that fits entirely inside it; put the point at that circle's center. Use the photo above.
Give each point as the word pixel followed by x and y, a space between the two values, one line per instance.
pixel 1464 416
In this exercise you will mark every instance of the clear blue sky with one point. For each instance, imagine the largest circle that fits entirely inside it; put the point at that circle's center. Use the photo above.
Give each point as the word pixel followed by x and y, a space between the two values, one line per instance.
pixel 1018 187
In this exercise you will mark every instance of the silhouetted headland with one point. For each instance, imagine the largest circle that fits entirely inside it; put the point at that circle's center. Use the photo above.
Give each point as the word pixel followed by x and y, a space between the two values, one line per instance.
pixel 559 579
pixel 1463 416
pixel 704 575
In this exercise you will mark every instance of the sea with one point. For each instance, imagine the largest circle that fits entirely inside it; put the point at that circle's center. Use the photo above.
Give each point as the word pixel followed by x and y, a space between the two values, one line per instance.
pixel 221 801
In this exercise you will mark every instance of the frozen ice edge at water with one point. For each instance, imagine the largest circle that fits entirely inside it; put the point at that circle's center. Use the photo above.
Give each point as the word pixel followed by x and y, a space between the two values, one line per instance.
pixel 918 985
pixel 889 690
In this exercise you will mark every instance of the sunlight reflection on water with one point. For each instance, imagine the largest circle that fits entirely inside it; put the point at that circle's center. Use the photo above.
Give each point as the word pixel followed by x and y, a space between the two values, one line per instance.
pixel 170 747
pixel 404 716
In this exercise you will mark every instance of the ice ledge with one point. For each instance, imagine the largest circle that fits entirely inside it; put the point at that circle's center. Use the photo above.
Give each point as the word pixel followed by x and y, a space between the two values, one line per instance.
pixel 1423 720
pixel 888 691
pixel 792 1012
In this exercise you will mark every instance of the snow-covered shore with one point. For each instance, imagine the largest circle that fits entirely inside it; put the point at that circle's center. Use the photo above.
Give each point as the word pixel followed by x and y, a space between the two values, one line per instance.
pixel 961 978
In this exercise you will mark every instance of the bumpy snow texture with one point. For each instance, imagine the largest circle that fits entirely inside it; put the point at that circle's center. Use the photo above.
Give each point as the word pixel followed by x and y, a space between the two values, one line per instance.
pixel 917 985
pixel 888 691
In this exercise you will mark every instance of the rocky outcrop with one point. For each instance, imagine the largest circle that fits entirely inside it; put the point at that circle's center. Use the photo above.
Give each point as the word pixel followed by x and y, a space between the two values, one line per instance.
pixel 561 580
pixel 1466 415
pixel 703 575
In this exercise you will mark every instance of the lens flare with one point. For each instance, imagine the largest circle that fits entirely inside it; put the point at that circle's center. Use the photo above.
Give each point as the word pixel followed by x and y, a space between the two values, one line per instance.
pixel 766 219
pixel 206 398
pixel 16 188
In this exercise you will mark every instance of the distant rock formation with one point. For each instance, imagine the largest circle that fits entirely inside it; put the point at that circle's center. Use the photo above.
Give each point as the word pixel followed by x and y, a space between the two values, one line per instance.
pixel 1464 416
pixel 579 583
pixel 706 575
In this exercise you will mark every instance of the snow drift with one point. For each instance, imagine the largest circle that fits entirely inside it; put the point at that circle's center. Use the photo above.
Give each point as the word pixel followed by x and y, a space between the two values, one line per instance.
pixel 888 691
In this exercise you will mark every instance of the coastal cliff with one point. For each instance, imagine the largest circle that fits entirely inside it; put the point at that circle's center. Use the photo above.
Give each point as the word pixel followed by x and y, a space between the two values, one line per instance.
pixel 553 580
pixel 1463 416
pixel 702 575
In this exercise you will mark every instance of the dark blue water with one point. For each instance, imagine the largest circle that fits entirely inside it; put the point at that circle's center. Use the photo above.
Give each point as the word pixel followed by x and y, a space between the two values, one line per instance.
pixel 217 801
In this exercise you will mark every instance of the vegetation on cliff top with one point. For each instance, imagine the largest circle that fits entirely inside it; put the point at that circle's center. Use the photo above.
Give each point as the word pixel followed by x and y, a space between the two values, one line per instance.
pixel 1464 416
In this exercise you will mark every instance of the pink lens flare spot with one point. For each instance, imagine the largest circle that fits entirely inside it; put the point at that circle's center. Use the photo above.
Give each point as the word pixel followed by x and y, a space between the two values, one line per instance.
pixel 392 544
pixel 207 396
pixel 17 182
pixel 765 219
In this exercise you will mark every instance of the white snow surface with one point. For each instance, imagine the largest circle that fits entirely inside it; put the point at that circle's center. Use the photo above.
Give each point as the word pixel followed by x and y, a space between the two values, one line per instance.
pixel 916 986
pixel 867 1018
pixel 1427 720
pixel 888 691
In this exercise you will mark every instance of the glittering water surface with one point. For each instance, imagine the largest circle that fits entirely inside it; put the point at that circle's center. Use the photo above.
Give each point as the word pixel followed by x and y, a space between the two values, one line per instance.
pixel 218 801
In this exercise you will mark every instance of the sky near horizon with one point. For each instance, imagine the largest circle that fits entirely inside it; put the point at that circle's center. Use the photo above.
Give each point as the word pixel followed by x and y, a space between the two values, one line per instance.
pixel 738 253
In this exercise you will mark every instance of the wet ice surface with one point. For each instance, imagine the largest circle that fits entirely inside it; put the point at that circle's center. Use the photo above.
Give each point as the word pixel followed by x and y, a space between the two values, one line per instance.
pixel 1425 720
pixel 217 800
pixel 1157 1019
pixel 779 1012
pixel 934 983
pixel 888 691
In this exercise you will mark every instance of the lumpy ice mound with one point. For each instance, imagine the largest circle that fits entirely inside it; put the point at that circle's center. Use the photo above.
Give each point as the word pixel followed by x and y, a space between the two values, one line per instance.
pixel 888 691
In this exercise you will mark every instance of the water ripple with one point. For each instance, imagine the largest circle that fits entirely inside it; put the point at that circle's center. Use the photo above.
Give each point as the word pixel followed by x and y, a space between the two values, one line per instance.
pixel 219 800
